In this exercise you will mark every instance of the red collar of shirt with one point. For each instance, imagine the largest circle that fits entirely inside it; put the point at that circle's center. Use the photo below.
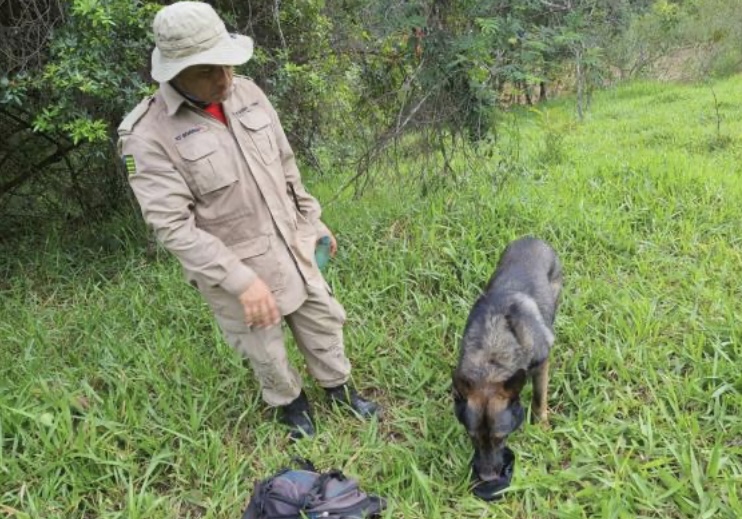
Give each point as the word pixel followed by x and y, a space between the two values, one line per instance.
pixel 217 112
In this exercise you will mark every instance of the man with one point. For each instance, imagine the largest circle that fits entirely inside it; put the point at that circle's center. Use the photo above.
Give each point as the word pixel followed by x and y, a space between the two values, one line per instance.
pixel 216 179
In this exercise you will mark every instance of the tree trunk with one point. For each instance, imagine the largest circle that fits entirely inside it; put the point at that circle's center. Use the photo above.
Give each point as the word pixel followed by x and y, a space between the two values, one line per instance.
pixel 580 81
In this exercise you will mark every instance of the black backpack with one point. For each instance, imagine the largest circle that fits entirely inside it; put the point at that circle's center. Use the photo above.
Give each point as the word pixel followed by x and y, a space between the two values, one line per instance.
pixel 305 493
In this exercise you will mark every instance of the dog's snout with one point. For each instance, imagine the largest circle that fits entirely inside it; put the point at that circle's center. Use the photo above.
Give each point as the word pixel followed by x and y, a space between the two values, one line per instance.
pixel 488 466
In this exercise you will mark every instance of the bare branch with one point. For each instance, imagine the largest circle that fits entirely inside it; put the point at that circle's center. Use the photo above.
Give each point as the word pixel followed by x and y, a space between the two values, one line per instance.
pixel 36 169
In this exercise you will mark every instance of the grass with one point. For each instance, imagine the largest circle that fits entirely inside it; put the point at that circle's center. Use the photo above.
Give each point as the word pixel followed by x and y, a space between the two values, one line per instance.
pixel 119 399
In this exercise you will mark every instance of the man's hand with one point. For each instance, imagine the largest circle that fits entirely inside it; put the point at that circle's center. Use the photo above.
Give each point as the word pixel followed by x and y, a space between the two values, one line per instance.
pixel 333 243
pixel 260 305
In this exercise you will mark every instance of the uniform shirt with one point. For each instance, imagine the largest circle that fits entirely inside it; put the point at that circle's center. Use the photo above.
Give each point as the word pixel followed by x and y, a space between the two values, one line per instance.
pixel 221 197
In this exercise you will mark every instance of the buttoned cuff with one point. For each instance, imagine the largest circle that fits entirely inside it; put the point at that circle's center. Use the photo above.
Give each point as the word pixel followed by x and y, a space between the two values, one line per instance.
pixel 239 279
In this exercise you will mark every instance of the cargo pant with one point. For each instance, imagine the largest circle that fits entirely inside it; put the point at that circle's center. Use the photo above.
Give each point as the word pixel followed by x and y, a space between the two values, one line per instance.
pixel 317 327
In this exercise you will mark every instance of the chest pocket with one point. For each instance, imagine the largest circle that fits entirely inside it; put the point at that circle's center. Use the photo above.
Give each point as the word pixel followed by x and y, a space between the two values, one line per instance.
pixel 205 163
pixel 257 122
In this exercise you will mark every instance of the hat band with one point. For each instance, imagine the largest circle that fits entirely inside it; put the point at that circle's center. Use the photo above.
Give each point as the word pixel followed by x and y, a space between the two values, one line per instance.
pixel 188 46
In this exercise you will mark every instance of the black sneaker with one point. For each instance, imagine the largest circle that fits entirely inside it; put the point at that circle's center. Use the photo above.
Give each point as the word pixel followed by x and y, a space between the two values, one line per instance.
pixel 345 395
pixel 298 416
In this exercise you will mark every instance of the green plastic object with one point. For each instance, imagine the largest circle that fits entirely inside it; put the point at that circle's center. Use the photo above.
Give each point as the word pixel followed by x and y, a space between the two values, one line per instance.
pixel 322 252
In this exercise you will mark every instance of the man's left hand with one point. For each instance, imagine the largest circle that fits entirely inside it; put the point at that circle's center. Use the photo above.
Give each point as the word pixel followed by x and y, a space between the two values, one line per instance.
pixel 333 243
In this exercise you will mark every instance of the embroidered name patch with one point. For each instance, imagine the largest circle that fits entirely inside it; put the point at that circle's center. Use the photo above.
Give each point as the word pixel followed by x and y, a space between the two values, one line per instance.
pixel 189 132
pixel 245 109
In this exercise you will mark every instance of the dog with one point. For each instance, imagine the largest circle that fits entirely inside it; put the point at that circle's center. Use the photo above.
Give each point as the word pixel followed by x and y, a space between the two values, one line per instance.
pixel 507 338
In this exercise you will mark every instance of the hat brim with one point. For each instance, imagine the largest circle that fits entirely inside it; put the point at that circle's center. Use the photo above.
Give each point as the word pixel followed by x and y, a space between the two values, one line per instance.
pixel 233 50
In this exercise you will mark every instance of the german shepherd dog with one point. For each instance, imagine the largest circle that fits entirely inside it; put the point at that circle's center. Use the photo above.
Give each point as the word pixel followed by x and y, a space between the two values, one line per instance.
pixel 507 338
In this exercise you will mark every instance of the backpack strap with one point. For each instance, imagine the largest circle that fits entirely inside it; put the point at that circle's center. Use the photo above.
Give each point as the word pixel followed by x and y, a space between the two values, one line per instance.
pixel 320 486
pixel 303 463
pixel 255 507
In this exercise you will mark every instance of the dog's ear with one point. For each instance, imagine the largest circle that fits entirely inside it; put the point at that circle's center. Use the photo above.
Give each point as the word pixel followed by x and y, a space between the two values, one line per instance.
pixel 511 318
pixel 515 384
pixel 543 340
pixel 526 323
pixel 459 402
pixel 460 386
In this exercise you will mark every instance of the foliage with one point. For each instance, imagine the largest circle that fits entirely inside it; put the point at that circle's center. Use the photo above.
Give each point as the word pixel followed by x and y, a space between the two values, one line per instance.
pixel 297 66
pixel 716 27
pixel 85 93
pixel 365 83
pixel 686 39
pixel 120 399
pixel 443 70
pixel 67 109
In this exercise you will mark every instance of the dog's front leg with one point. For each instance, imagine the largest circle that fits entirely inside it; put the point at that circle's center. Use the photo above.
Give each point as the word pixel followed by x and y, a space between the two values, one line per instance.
pixel 539 402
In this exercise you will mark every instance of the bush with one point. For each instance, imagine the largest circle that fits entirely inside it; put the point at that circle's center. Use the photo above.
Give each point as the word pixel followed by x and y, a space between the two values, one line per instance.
pixel 61 112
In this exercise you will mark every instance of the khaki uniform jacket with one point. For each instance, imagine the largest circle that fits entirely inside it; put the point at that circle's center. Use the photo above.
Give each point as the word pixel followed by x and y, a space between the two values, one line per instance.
pixel 223 199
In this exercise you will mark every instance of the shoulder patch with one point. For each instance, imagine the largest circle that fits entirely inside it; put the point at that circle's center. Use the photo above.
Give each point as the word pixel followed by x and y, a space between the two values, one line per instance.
pixel 129 165
pixel 132 118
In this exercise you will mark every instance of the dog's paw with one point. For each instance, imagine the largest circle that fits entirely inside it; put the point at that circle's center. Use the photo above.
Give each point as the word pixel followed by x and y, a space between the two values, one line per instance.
pixel 540 417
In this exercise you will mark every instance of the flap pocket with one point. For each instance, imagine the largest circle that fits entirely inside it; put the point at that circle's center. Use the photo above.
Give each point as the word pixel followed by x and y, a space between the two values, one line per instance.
pixel 204 162
pixel 259 128
pixel 255 119
pixel 198 146
pixel 252 248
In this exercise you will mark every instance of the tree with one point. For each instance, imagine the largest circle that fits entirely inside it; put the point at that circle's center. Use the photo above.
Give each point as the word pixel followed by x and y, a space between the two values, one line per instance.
pixel 61 97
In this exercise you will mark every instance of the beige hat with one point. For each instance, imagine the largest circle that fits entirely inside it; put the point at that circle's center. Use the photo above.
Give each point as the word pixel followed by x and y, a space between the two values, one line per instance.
pixel 191 33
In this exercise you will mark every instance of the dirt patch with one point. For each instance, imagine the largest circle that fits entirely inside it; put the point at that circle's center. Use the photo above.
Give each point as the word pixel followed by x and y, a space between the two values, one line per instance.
pixel 685 64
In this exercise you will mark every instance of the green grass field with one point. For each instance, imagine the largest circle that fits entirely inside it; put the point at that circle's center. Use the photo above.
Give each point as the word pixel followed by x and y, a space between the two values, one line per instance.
pixel 119 399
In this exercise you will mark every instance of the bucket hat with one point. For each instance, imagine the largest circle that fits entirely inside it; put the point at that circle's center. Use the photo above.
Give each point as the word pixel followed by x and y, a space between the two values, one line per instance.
pixel 192 33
